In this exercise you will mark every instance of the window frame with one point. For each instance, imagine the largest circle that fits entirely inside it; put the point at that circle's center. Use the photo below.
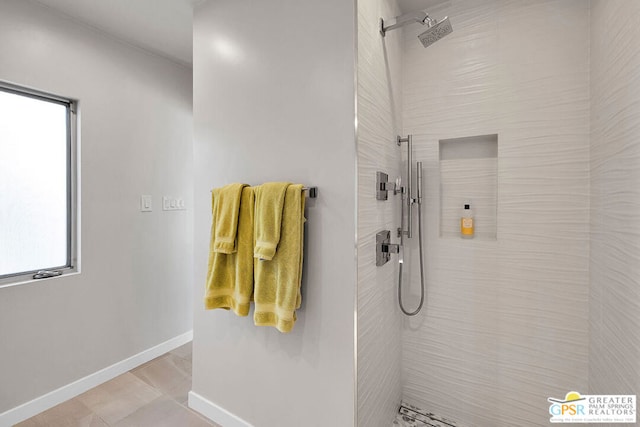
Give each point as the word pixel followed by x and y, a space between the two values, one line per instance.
pixel 72 122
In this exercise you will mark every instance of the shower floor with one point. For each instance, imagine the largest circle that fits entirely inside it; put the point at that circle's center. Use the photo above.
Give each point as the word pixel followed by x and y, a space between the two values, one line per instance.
pixel 412 416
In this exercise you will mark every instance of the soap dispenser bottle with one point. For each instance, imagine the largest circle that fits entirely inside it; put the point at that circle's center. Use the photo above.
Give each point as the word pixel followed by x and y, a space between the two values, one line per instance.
pixel 466 222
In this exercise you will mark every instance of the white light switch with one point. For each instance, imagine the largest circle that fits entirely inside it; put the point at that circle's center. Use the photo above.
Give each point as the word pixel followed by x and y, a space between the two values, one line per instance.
pixel 146 203
pixel 173 204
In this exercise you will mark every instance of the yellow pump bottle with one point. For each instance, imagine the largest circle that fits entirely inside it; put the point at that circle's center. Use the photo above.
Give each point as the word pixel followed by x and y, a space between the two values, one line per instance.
pixel 466 223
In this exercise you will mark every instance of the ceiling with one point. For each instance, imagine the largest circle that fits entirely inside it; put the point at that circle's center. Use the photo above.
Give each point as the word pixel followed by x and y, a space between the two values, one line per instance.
pixel 164 27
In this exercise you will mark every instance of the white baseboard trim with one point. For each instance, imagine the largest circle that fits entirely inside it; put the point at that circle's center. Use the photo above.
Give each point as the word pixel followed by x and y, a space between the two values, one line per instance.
pixel 69 391
pixel 215 413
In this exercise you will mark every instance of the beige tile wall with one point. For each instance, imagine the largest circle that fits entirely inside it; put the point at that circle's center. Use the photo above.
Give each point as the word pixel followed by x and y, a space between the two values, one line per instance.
pixel 614 358
pixel 379 110
pixel 506 322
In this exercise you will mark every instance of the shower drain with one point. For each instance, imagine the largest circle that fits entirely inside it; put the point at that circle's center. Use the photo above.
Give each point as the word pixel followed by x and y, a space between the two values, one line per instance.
pixel 412 416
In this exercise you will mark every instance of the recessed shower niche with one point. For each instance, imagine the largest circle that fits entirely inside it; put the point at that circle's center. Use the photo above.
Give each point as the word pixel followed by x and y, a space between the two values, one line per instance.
pixel 469 175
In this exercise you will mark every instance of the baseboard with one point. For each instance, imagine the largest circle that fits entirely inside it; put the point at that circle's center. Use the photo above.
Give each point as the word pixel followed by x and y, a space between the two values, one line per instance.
pixel 215 413
pixel 69 391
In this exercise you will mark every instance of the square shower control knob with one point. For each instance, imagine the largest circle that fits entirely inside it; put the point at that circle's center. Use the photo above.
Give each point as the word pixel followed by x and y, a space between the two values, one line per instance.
pixel 384 247
pixel 382 186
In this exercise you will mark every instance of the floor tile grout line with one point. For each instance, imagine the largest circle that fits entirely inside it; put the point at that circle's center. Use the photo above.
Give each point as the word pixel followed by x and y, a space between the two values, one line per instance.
pixel 161 394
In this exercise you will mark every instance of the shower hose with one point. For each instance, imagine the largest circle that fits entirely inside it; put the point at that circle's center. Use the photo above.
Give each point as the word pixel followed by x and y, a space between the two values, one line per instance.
pixel 401 262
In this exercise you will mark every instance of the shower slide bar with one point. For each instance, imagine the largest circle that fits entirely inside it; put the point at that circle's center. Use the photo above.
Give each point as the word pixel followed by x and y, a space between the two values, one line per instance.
pixel 313 192
pixel 409 195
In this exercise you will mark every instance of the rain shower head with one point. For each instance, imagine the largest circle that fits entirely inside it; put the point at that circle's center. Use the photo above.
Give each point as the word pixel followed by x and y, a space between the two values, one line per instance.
pixel 436 31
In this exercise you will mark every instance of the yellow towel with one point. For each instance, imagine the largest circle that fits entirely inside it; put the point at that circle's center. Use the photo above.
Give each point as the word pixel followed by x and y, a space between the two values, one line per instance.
pixel 276 290
pixel 226 213
pixel 230 276
pixel 269 205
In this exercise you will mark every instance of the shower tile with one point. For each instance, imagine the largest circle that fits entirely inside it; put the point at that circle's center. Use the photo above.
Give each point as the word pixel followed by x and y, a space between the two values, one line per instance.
pixel 379 122
pixel 493 309
pixel 614 348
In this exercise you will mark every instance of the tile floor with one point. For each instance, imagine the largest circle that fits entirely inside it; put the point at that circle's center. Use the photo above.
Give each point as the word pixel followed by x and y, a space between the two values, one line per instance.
pixel 153 394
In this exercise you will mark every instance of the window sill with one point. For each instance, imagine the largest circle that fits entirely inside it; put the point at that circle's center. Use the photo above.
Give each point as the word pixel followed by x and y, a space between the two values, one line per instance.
pixel 22 280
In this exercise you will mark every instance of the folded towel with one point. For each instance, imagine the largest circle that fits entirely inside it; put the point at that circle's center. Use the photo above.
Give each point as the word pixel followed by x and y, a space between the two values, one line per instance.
pixel 230 276
pixel 269 205
pixel 226 212
pixel 277 282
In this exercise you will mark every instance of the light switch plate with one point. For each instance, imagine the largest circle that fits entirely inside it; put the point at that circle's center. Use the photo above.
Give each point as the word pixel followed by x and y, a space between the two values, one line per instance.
pixel 173 204
pixel 146 203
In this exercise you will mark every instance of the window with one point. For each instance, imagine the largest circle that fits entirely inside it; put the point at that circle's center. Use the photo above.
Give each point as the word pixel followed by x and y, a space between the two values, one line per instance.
pixel 37 185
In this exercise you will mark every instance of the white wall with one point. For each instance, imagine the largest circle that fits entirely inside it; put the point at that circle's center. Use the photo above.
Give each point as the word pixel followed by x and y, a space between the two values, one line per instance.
pixel 379 121
pixel 614 358
pixel 506 321
pixel 274 100
pixel 135 288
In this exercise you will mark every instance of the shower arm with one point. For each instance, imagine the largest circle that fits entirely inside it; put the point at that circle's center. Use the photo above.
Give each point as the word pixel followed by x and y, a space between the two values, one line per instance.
pixel 419 17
